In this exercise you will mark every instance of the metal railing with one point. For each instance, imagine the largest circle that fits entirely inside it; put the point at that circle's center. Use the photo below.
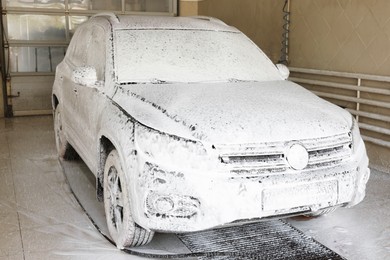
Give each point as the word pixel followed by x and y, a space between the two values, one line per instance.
pixel 333 85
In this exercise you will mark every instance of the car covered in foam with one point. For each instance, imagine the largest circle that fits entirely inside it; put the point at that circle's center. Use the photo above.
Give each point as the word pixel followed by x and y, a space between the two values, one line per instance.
pixel 188 126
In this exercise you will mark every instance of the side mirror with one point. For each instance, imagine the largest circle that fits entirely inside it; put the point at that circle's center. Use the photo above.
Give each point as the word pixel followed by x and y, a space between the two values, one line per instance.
pixel 84 75
pixel 283 70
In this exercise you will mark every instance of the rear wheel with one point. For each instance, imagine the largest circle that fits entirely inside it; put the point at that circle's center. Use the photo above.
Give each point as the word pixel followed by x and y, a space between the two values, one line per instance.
pixel 64 149
pixel 121 225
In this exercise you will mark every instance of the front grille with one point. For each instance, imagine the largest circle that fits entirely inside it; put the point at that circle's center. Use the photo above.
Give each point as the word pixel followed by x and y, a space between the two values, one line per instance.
pixel 270 157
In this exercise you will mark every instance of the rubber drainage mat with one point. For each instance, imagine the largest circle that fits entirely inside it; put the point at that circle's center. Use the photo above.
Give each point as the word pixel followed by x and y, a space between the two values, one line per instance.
pixel 263 240
pixel 273 239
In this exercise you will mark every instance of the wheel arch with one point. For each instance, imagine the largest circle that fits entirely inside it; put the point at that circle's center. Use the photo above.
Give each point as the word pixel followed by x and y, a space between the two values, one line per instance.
pixel 116 132
pixel 105 147
pixel 130 233
pixel 55 101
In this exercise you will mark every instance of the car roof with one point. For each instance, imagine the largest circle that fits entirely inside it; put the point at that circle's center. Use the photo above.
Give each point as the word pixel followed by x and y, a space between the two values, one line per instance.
pixel 139 22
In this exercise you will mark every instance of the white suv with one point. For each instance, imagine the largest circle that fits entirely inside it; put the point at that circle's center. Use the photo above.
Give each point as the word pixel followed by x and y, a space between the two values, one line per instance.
pixel 189 126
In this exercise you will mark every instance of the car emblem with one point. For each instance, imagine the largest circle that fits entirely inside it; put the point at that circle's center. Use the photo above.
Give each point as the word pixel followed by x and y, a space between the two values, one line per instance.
pixel 297 156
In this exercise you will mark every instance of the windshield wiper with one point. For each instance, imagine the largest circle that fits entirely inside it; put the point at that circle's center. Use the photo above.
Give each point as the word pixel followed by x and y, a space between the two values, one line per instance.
pixel 159 81
pixel 233 80
pixel 152 81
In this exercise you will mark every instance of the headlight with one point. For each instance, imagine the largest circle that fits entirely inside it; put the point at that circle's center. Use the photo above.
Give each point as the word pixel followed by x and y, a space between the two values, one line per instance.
pixel 356 138
pixel 168 149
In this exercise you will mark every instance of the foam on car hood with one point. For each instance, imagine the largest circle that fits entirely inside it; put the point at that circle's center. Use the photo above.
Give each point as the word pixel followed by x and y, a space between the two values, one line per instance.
pixel 234 113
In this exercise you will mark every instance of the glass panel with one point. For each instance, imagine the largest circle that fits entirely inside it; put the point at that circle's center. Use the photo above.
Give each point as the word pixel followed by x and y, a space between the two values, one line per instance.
pixel 189 56
pixel 35 59
pixel 53 4
pixel 80 4
pixel 74 22
pixel 111 5
pixel 77 48
pixel 57 54
pixel 96 56
pixel 42 62
pixel 148 5
pixel 36 27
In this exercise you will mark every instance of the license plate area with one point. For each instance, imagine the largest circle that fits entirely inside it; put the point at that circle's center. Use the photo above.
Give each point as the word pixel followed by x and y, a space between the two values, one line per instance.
pixel 287 197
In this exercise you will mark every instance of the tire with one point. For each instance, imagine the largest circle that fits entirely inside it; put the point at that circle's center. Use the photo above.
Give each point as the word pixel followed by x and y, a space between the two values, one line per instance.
pixel 321 212
pixel 121 226
pixel 64 149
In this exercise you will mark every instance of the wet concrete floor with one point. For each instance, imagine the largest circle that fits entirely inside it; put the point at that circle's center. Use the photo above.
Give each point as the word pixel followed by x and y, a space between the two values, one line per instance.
pixel 40 218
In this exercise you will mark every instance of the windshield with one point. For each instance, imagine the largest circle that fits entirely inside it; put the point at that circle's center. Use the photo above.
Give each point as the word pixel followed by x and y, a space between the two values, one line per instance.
pixel 159 56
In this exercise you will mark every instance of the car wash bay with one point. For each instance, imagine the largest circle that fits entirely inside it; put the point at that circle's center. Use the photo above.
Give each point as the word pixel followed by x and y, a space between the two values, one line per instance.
pixel 337 49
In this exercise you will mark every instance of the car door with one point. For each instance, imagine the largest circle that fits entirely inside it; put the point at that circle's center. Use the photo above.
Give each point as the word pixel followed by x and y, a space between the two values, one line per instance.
pixel 69 91
pixel 90 97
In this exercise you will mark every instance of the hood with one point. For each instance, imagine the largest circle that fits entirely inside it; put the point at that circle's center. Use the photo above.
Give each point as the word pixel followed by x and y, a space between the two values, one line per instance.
pixel 234 113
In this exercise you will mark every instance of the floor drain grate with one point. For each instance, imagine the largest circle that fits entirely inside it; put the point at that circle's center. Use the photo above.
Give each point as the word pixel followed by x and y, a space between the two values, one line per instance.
pixel 263 240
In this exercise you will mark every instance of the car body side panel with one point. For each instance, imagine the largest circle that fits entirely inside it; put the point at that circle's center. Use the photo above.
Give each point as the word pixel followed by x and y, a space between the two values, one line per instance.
pixel 118 127
pixel 83 105
pixel 67 96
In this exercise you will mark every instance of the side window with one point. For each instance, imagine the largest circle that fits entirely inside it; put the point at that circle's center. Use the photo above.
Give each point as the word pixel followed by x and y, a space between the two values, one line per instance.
pixel 72 46
pixel 77 50
pixel 96 52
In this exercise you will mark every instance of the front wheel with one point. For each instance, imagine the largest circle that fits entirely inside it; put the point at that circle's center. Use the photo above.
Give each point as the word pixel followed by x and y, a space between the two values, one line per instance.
pixel 121 225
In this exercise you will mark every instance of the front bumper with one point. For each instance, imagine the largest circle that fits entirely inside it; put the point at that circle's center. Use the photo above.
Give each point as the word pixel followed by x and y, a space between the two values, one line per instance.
pixel 176 201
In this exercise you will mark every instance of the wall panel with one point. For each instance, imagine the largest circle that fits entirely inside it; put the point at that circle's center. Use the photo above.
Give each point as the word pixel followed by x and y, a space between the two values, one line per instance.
pixel 341 35
pixel 346 36
pixel 260 20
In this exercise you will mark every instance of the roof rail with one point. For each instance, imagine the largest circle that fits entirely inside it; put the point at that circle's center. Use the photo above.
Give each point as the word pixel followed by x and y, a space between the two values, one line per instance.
pixel 210 19
pixel 111 16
